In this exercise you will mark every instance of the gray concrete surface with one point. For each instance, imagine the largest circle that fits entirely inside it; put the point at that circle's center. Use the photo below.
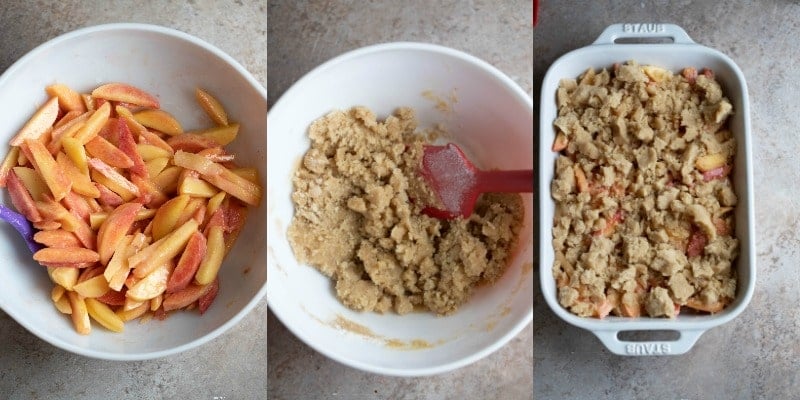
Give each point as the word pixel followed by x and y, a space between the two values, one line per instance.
pixel 757 355
pixel 304 34
pixel 233 366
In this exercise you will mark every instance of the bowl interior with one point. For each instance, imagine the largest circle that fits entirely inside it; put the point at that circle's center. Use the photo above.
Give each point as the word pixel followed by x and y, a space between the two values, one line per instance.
pixel 170 65
pixel 489 116
pixel 673 57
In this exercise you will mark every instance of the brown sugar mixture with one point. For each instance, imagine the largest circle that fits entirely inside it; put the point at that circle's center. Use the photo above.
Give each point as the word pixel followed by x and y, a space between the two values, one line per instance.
pixel 644 201
pixel 358 197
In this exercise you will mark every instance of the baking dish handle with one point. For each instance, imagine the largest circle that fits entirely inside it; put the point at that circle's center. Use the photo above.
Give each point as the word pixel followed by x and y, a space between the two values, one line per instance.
pixel 643 31
pixel 683 344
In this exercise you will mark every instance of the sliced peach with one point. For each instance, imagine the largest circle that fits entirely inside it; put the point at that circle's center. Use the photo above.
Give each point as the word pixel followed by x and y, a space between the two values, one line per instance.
pixel 191 143
pixel 113 298
pixel 110 154
pixel 80 316
pixel 184 297
pixel 709 162
pixel 204 302
pixel 196 187
pixel 156 165
pixel 561 142
pixel 580 179
pixel 72 255
pixel 212 260
pixel 77 153
pixel 127 145
pixel 167 181
pixel 152 285
pixel 166 217
pixel 148 192
pixel 9 162
pixel 162 250
pixel 107 198
pixel 81 184
pixel 251 174
pixel 220 177
pixel 192 208
pixel 95 286
pixel 94 124
pixel 39 123
pixel 47 225
pixel 57 238
pixel 21 199
pixel 46 165
pixel 149 152
pixel 214 203
pixel 33 182
pixel 159 120
pixel 66 118
pixel 126 93
pixel 67 130
pixel 148 137
pixel 211 106
pixel 119 260
pixel 88 101
pixel 115 181
pixel 63 276
pixel 133 313
pixel 104 315
pixel 188 263
pixel 69 99
pixel 114 229
pixel 77 205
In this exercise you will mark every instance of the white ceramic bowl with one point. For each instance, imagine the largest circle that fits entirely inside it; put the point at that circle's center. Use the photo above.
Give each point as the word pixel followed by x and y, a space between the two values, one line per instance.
pixel 612 47
pixel 492 120
pixel 169 64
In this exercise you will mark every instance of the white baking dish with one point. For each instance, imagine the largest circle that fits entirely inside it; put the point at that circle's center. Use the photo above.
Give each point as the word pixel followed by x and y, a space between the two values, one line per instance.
pixel 614 45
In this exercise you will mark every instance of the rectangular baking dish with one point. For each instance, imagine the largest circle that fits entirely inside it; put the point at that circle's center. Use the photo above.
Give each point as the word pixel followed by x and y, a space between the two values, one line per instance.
pixel 615 45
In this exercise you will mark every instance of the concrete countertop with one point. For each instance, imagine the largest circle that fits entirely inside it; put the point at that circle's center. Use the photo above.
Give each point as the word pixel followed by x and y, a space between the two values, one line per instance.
pixel 303 35
pixel 233 366
pixel 755 356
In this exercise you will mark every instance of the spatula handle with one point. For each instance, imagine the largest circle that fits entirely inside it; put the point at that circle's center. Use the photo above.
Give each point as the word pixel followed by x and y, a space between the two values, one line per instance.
pixel 519 181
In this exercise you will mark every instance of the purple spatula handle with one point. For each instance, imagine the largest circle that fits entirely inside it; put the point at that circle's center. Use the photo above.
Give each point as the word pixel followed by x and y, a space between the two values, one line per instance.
pixel 22 225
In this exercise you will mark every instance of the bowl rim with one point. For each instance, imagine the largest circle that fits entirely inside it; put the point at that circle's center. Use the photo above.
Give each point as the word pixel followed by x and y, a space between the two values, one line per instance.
pixel 188 39
pixel 519 94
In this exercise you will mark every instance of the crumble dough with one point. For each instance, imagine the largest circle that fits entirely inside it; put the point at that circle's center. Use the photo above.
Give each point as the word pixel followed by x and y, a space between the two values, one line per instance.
pixel 644 221
pixel 358 197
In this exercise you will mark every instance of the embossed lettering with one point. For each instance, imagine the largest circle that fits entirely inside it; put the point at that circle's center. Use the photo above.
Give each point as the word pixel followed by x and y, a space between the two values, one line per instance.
pixel 643 28
pixel 648 348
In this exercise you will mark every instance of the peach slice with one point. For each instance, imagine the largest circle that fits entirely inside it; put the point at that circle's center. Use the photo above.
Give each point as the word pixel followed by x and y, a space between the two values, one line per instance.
pixel 133 313
pixel 95 286
pixel 69 99
pixel 107 198
pixel 46 165
pixel 125 93
pixel 88 101
pixel 196 187
pixel 21 199
pixel 185 296
pixel 39 123
pixel 188 263
pixel 220 177
pixel 9 162
pixel 709 162
pixel 110 154
pixel 112 232
pixel 65 131
pixel 77 153
pixel 81 184
pixel 159 120
pixel 212 259
pixel 156 165
pixel 561 142
pixel 94 124
pixel 191 143
pixel 47 225
pixel 127 146
pixel 77 205
pixel 152 285
pixel 166 217
pixel 149 152
pixel 68 256
pixel 57 238
pixel 162 250
pixel 151 138
pixel 204 302
pixel 211 106
pixel 63 276
pixel 33 182
pixel 104 315
pixel 66 118
pixel 167 181
pixel 251 174
pixel 80 316
pixel 114 180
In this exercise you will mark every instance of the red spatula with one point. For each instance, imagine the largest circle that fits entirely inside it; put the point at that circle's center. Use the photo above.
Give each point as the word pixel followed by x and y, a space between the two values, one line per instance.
pixel 457 182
